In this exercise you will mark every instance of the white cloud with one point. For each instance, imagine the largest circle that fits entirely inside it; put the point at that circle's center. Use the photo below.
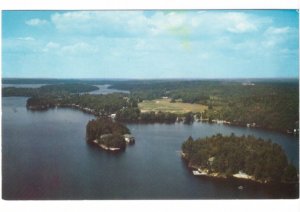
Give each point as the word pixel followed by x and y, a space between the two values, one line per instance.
pixel 135 23
pixel 239 22
pixel 26 38
pixel 51 46
pixel 108 23
pixel 36 22
pixel 79 48
pixel 276 36
pixel 277 30
pixel 21 45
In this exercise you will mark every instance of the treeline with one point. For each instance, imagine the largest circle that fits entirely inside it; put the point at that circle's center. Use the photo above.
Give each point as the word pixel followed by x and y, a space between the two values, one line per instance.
pixel 134 115
pixel 42 103
pixel 56 81
pixel 49 90
pixel 264 160
pixel 125 108
pixel 189 91
pixel 105 131
pixel 98 105
pixel 269 104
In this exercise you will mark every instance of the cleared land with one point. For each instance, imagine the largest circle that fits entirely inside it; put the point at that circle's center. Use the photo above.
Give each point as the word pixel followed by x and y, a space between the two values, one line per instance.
pixel 164 105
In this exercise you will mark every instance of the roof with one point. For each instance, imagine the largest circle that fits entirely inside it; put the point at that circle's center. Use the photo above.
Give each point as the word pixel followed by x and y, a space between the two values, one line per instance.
pixel 128 136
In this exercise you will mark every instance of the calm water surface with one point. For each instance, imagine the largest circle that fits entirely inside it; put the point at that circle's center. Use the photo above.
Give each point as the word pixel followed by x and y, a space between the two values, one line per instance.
pixel 45 156
pixel 104 89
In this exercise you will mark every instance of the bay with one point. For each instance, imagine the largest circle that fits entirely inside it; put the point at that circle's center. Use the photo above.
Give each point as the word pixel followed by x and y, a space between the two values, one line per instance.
pixel 45 156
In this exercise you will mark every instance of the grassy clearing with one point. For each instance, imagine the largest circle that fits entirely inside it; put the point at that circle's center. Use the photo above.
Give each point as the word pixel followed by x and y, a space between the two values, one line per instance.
pixel 164 105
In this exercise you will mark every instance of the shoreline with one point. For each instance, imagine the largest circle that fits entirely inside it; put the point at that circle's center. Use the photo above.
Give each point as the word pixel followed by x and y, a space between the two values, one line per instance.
pixel 216 122
pixel 197 171
pixel 201 173
pixel 112 149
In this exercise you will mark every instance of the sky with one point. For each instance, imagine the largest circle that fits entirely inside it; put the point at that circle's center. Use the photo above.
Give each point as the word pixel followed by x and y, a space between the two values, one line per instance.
pixel 150 44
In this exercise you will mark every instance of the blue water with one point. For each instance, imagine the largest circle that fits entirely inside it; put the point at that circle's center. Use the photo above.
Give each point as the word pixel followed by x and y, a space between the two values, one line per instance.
pixel 45 156
pixel 104 89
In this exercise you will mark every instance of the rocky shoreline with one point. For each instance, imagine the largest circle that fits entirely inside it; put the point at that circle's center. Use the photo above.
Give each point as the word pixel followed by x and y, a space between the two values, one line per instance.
pixel 198 171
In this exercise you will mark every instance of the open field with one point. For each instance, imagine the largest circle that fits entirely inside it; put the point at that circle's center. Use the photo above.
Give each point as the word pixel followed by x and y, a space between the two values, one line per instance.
pixel 164 105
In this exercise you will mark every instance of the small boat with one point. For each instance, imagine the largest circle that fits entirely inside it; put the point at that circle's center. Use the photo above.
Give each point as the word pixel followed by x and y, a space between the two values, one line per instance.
pixel 240 187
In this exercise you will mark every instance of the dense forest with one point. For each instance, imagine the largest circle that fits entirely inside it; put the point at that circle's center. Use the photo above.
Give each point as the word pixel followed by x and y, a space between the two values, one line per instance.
pixel 268 104
pixel 49 90
pixel 99 105
pixel 105 132
pixel 40 103
pixel 123 105
pixel 133 114
pixel 227 155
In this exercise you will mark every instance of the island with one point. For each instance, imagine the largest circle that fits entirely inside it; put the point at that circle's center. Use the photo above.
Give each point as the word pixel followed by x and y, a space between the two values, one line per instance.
pixel 107 134
pixel 238 157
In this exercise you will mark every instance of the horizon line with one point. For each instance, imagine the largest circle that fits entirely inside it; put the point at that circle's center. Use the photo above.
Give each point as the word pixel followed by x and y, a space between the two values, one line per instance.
pixel 121 78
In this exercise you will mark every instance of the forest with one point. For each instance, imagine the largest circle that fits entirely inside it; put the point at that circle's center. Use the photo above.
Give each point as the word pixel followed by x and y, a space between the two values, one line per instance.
pixel 49 90
pixel 106 132
pixel 264 160
pixel 263 103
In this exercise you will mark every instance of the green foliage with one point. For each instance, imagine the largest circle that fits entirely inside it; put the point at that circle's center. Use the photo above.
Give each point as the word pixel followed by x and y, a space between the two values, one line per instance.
pixel 188 118
pixel 113 141
pixel 96 104
pixel 128 114
pixel 49 90
pixel 134 115
pixel 35 103
pixel 101 126
pixel 160 117
pixel 262 159
pixel 12 91
pixel 270 104
pixel 101 104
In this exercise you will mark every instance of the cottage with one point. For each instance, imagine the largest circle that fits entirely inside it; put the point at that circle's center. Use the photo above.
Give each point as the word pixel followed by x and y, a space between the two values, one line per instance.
pixel 129 138
pixel 211 160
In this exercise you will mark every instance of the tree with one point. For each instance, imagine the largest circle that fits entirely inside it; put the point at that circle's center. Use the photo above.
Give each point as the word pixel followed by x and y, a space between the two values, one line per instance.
pixel 188 118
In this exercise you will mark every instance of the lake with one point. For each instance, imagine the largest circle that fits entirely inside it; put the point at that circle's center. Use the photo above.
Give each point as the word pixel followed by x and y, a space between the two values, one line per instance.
pixel 45 156
pixel 104 89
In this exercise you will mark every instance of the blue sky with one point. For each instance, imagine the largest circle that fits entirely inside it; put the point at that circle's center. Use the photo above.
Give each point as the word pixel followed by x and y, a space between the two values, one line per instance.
pixel 150 44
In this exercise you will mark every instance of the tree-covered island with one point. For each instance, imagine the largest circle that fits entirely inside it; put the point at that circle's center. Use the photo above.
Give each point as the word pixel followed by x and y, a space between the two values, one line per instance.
pixel 241 157
pixel 107 134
